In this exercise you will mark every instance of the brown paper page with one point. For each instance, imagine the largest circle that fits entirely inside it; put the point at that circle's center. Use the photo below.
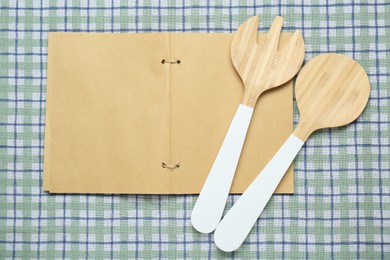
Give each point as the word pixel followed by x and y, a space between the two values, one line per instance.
pixel 107 127
pixel 206 91
pixel 114 113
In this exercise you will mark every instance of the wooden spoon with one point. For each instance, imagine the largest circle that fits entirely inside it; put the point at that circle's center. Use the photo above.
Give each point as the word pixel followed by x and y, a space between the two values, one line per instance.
pixel 261 67
pixel 331 90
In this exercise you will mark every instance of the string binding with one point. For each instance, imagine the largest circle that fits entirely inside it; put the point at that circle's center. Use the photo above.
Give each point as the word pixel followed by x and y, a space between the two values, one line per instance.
pixel 170 166
pixel 163 61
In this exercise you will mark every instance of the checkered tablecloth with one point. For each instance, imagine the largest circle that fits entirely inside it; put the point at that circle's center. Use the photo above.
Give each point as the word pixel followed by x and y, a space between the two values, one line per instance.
pixel 341 207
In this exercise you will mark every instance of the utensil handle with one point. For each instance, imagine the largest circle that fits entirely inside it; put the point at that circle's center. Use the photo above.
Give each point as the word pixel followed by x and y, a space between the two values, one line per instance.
pixel 237 223
pixel 209 207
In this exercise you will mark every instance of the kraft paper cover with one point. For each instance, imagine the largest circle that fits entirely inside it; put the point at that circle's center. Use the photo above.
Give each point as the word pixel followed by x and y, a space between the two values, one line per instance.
pixel 114 113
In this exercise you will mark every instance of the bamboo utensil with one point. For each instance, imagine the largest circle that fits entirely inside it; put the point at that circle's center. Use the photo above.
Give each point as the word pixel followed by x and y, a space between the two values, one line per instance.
pixel 261 67
pixel 331 90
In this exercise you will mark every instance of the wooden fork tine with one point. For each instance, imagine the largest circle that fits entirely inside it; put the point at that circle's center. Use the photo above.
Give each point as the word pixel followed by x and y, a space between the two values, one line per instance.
pixel 273 34
pixel 294 40
pixel 244 38
pixel 294 43
pixel 292 54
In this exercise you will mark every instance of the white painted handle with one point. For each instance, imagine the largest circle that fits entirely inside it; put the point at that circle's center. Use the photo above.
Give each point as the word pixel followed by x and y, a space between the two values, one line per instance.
pixel 238 222
pixel 209 207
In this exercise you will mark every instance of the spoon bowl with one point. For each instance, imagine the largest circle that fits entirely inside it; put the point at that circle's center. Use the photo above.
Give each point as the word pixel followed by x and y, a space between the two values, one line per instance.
pixel 331 91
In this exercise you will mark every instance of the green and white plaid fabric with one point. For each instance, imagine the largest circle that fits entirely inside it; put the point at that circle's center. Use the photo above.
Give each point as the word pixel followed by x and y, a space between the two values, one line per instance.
pixel 341 208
